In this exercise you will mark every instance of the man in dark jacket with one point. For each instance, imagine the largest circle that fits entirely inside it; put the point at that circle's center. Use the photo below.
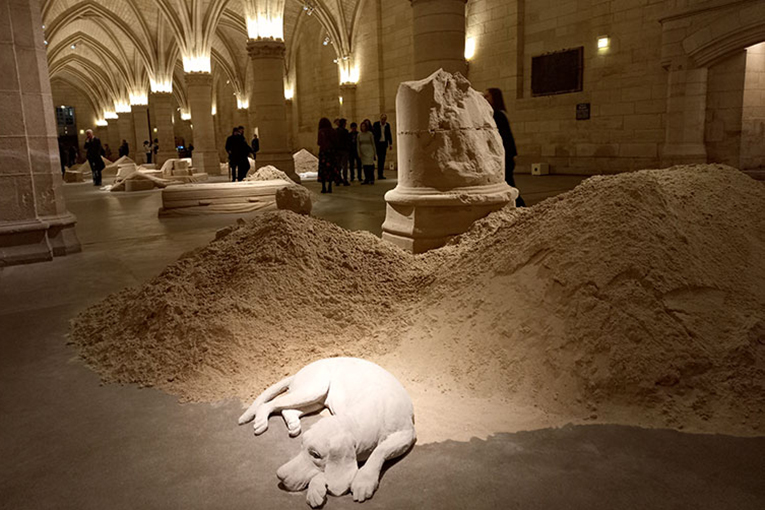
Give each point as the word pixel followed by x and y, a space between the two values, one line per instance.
pixel 255 145
pixel 384 142
pixel 93 152
pixel 124 149
pixel 238 150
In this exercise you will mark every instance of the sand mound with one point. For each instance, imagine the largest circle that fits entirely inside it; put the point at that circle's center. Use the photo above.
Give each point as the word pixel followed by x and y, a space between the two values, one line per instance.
pixel 637 298
pixel 267 173
pixel 249 308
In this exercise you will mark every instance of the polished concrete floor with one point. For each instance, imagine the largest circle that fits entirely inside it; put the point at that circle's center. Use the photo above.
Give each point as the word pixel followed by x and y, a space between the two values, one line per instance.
pixel 68 442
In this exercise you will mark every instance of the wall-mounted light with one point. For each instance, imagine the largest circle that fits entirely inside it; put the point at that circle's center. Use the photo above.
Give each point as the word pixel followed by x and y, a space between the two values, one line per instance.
pixel 74 46
pixel 469 48
pixel 185 115
pixel 154 130
pixel 341 100
pixel 327 40
pixel 604 42
pixel 46 43
pixel 289 93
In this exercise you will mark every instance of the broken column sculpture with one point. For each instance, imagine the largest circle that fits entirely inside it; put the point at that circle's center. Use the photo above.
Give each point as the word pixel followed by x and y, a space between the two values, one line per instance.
pixel 451 163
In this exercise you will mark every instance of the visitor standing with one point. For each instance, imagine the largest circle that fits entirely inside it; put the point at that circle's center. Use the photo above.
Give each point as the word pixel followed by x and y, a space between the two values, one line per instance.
pixel 497 102
pixel 107 152
pixel 353 157
pixel 124 149
pixel 343 151
pixel 238 152
pixel 366 148
pixel 255 146
pixel 155 149
pixel 72 156
pixel 93 152
pixel 384 142
pixel 147 150
pixel 327 164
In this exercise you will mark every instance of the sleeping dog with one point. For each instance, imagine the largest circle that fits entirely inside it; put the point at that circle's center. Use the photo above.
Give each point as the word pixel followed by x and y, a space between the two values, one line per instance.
pixel 372 419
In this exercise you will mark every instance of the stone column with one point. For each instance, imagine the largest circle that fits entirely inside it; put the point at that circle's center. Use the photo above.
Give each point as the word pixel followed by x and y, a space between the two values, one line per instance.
pixel 438 28
pixel 141 126
pixel 268 95
pixel 449 175
pixel 162 102
pixel 686 116
pixel 127 133
pixel 205 156
pixel 34 222
pixel 348 108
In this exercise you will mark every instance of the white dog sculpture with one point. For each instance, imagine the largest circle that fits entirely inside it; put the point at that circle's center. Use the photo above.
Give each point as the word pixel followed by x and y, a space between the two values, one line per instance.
pixel 372 418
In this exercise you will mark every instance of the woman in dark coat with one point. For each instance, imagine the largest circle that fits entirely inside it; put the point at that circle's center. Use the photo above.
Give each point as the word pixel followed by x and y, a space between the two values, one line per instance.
pixel 327 155
pixel 495 99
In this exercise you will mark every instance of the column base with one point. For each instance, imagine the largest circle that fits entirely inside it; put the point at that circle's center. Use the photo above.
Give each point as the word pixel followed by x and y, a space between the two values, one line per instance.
pixel 281 160
pixel 421 219
pixel 207 162
pixel 683 154
pixel 38 240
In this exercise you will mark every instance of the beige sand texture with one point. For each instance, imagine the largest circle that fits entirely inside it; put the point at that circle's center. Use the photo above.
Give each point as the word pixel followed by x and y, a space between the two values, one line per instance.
pixel 637 298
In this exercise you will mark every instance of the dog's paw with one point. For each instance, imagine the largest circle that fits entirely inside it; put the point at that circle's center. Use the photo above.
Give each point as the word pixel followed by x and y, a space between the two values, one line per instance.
pixel 260 425
pixel 246 418
pixel 316 496
pixel 294 430
pixel 364 485
pixel 317 491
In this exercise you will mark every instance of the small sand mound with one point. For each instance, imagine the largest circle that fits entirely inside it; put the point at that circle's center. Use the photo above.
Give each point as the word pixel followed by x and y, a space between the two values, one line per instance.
pixel 249 308
pixel 267 173
pixel 637 298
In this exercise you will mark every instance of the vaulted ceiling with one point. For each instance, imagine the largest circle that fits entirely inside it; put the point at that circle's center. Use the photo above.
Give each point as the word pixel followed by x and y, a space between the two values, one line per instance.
pixel 112 50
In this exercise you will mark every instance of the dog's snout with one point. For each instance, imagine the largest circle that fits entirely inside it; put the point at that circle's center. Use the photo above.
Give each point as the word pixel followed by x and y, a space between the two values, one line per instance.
pixel 281 474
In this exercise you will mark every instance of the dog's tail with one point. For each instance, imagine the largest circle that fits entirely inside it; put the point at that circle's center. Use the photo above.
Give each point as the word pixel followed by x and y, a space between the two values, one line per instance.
pixel 269 394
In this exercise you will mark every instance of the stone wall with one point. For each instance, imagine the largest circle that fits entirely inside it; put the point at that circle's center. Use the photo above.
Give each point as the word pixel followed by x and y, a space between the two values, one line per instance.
pixel 753 118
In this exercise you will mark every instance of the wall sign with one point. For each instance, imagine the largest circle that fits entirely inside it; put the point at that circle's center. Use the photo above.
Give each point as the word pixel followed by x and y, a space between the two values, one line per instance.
pixel 583 111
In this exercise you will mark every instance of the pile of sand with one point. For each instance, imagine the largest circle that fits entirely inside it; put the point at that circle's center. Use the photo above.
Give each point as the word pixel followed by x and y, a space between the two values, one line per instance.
pixel 637 298
pixel 306 164
pixel 267 173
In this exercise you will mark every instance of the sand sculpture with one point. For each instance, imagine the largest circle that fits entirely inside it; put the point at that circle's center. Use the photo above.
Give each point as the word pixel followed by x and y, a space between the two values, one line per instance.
pixel 450 160
pixel 635 299
pixel 294 198
pixel 306 164
pixel 372 420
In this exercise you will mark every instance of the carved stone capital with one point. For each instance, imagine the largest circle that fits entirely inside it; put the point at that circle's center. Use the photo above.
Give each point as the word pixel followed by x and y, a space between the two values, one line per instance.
pixel 199 79
pixel 266 48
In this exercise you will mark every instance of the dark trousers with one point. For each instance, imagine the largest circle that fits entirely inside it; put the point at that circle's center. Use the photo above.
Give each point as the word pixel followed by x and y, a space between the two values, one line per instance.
pixel 342 161
pixel 243 169
pixel 369 174
pixel 354 162
pixel 510 179
pixel 96 175
pixel 382 152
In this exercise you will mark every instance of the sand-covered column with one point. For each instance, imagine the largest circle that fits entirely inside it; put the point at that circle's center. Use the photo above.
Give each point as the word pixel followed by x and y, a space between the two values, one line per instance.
pixel 163 111
pixel 438 28
pixel 205 156
pixel 450 161
pixel 271 113
pixel 142 133
pixel 127 133
pixel 34 222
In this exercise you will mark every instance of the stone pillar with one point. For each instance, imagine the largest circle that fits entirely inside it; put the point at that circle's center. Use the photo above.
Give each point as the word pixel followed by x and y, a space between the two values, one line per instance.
pixel 268 95
pixel 686 116
pixel 205 156
pixel 449 175
pixel 142 133
pixel 127 133
pixel 34 222
pixel 438 28
pixel 162 102
pixel 348 108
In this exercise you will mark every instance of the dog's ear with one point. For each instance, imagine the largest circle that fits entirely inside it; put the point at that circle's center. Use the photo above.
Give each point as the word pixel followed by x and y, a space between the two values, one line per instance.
pixel 341 463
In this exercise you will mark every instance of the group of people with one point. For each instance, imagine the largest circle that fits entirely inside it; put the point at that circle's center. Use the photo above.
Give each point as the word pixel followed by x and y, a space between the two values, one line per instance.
pixel 239 152
pixel 344 154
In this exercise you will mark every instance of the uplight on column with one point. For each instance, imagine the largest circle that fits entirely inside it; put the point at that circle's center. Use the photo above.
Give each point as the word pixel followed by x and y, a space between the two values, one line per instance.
pixel 289 93
pixel 469 48
pixel 242 103
pixel 349 73
pixel 197 64
pixel 265 26
pixel 185 115
pixel 101 122
pixel 139 99
pixel 122 106
pixel 110 115
pixel 161 85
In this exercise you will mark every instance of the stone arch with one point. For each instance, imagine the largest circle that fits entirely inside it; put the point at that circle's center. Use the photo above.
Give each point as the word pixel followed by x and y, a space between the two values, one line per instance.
pixel 693 40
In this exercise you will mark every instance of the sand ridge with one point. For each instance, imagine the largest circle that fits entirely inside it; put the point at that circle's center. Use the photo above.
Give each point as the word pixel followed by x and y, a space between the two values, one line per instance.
pixel 636 298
